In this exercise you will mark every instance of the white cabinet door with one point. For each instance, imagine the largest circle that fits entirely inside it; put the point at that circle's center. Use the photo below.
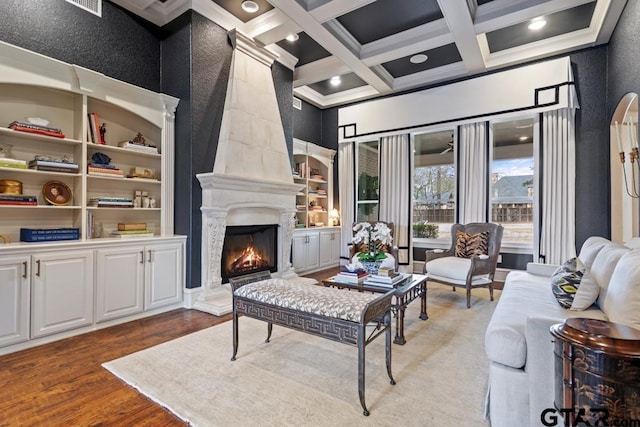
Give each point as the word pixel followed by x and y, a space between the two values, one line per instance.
pixel 329 248
pixel 62 291
pixel 306 251
pixel 164 276
pixel 299 252
pixel 119 282
pixel 14 299
pixel 313 250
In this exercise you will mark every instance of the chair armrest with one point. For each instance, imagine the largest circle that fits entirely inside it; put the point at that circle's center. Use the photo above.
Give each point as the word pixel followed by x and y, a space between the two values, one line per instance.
pixel 541 269
pixel 431 255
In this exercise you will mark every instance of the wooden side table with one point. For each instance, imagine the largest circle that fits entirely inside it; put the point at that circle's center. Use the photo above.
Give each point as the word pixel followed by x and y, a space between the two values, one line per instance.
pixel 597 367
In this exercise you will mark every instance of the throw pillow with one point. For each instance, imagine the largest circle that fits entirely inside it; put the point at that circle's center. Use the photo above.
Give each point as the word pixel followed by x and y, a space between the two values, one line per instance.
pixel 565 281
pixel 622 301
pixel 471 245
pixel 588 292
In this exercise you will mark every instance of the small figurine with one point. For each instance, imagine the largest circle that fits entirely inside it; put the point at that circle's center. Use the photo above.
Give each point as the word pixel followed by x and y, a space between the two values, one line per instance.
pixel 139 139
pixel 103 132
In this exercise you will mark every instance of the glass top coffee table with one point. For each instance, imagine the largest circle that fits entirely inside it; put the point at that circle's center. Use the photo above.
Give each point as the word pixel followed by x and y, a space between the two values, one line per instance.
pixel 414 286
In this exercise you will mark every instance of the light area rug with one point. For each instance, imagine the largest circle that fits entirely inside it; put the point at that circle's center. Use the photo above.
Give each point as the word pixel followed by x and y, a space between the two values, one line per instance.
pixel 297 379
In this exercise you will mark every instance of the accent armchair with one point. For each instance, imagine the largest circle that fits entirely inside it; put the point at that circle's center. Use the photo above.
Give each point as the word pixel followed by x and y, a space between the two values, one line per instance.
pixel 472 259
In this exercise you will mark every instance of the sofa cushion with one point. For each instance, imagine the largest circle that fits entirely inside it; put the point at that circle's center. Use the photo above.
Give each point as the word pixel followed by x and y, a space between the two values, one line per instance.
pixel 633 243
pixel 622 300
pixel 590 249
pixel 604 264
pixel 524 295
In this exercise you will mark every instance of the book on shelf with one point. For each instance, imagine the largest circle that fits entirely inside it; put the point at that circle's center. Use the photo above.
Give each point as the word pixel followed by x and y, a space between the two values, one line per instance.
pixel 33 128
pixel 113 173
pixel 46 234
pixel 94 127
pixel 129 145
pixel 102 165
pixel 13 163
pixel 17 203
pixel 52 166
pixel 147 233
pixel 18 198
pixel 126 226
pixel 140 231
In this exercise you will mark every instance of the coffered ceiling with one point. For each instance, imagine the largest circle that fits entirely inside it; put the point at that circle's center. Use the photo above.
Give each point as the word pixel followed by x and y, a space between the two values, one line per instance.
pixel 370 44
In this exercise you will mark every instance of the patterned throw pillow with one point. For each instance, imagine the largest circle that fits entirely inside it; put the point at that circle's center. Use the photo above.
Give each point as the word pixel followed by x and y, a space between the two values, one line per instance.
pixel 470 245
pixel 565 281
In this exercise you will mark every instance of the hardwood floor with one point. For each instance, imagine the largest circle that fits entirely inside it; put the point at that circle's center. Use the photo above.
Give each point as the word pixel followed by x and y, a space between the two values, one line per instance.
pixel 64 384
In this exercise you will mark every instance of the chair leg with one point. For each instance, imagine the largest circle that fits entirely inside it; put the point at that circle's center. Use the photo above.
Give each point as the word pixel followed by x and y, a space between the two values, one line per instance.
pixel 468 296
pixel 491 290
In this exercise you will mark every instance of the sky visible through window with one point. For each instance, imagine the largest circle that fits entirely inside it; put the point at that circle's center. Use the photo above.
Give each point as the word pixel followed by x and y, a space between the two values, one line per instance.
pixel 513 167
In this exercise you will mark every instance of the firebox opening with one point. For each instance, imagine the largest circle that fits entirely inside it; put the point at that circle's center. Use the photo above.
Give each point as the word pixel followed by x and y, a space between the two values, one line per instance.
pixel 249 249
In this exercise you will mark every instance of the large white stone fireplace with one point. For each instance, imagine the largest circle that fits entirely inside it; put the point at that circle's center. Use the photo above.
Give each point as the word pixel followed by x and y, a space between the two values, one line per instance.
pixel 251 182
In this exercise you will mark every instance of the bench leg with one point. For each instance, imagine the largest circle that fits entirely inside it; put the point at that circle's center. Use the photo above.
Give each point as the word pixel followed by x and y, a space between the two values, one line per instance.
pixel 361 375
pixel 269 330
pixel 235 333
pixel 387 350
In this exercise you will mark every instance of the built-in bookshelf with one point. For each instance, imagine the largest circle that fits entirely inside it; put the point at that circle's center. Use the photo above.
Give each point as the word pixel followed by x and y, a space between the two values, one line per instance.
pixel 62 269
pixel 313 167
pixel 65 99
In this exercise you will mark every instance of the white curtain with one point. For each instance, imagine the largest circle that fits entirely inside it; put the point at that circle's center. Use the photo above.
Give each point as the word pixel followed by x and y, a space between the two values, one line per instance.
pixel 347 187
pixel 395 192
pixel 557 231
pixel 472 171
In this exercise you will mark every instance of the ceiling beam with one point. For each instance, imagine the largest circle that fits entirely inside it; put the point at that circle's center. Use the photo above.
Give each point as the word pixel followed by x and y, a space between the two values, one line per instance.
pixel 324 38
pixel 319 70
pixel 458 17
pixel 332 9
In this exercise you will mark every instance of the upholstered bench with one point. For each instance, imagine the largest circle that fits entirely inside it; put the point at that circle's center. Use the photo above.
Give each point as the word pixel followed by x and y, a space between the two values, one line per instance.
pixel 354 318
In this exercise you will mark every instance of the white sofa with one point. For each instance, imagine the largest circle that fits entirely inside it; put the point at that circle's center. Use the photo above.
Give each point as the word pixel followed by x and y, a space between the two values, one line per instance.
pixel 518 343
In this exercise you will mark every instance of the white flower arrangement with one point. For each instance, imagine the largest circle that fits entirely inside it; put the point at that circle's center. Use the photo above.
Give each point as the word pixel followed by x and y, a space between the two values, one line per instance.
pixel 368 234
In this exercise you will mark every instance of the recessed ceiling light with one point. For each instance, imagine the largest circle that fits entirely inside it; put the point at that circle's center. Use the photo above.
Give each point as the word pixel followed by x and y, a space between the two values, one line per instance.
pixel 335 80
pixel 250 6
pixel 524 138
pixel 418 59
pixel 292 37
pixel 537 24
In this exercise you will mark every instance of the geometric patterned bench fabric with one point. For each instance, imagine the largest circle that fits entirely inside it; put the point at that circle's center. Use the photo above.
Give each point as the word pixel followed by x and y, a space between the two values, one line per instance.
pixel 327 302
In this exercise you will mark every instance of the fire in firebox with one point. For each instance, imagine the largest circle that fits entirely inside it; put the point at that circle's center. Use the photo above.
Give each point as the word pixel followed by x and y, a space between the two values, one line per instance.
pixel 248 249
pixel 248 260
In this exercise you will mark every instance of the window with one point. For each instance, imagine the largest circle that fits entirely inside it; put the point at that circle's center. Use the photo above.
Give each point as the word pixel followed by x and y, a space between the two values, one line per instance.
pixel 512 180
pixel 434 185
pixel 368 183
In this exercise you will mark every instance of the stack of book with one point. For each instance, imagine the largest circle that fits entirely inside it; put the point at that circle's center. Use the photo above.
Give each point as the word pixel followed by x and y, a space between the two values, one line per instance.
pixel 104 169
pixel 6 162
pixel 111 202
pixel 18 199
pixel 53 166
pixel 136 146
pixel 131 234
pixel 48 234
pixel 356 276
pixel 385 280
pixel 34 128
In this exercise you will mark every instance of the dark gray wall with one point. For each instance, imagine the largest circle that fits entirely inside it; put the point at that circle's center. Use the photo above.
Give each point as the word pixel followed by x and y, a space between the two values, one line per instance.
pixel 118 45
pixel 592 145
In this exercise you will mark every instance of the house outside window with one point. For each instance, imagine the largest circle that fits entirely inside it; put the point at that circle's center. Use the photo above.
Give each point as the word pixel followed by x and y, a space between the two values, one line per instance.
pixel 367 181
pixel 434 185
pixel 512 187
